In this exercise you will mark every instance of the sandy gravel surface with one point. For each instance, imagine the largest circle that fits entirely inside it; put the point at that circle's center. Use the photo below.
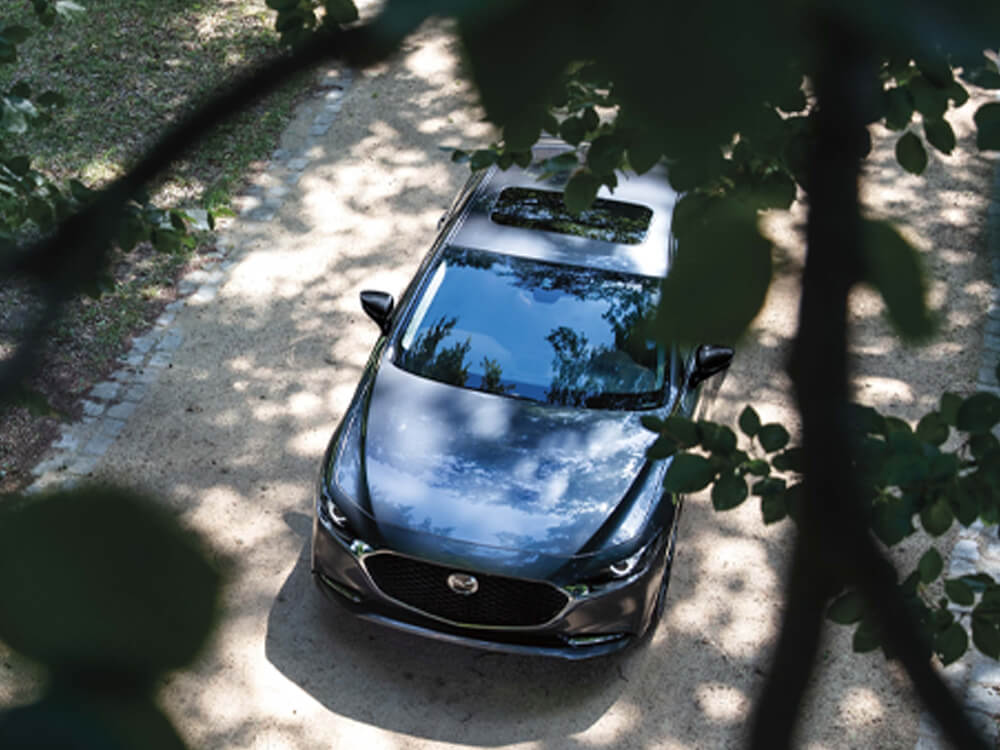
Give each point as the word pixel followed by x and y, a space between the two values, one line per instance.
pixel 233 432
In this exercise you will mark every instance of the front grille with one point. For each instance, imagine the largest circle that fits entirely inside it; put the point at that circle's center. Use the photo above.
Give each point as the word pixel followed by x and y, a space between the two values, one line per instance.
pixel 499 602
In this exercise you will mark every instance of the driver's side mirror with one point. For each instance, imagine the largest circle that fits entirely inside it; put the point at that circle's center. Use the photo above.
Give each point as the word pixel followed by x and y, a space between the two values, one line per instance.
pixel 709 360
pixel 378 306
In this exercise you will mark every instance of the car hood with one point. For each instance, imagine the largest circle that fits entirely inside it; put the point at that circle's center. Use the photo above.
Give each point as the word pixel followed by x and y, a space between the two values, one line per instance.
pixel 477 468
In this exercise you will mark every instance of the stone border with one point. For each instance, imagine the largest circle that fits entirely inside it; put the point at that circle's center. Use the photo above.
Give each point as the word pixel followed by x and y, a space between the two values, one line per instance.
pixel 975 676
pixel 109 404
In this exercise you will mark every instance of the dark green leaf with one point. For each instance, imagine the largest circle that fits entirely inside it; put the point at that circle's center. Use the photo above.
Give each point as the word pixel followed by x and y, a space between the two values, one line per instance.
pixel 80 192
pixel 769 486
pixel 978 413
pixel 758 467
pixel 866 638
pixel 984 78
pixel 572 130
pixel 721 255
pixel 959 592
pixel 580 191
pixel 749 421
pixel 893 267
pixel 340 11
pixel 458 156
pixel 605 154
pixel 21 89
pixel 683 430
pixel 773 507
pixel 929 100
pixel 932 429
pixel 590 119
pixel 847 608
pixel 521 133
pixel 951 643
pixel 717 438
pixel 644 153
pixel 773 437
pixel 936 517
pixel 988 126
pixel 789 460
pixel 728 492
pixel 118 588
pixel 688 473
pixel 910 153
pixel 651 422
pixel 935 69
pixel 177 221
pixel 930 565
pixel 892 520
pixel 957 93
pixel 131 232
pixel 950 404
pixel 662 447
pixel 986 637
pixel 982 444
pixel 483 158
pixel 940 135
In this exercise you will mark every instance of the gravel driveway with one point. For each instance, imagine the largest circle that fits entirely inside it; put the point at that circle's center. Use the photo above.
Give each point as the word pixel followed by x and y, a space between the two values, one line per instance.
pixel 232 431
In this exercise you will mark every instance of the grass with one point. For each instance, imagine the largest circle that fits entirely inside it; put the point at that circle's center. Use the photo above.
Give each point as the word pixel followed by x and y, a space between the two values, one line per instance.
pixel 128 70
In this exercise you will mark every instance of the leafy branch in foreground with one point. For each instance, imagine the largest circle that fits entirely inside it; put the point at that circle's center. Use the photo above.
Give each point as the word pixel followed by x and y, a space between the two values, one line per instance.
pixel 947 469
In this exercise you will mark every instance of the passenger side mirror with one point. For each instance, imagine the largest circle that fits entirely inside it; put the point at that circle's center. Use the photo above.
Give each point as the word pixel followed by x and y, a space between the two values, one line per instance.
pixel 709 360
pixel 378 306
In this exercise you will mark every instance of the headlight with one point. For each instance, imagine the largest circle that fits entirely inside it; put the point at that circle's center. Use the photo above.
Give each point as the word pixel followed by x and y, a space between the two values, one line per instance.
pixel 621 570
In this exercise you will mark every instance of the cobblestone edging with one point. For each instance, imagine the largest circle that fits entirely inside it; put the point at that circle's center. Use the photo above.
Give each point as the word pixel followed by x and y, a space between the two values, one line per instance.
pixel 977 677
pixel 109 404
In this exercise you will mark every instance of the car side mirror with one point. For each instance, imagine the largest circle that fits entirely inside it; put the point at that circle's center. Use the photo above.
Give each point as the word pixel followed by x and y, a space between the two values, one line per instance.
pixel 709 360
pixel 378 306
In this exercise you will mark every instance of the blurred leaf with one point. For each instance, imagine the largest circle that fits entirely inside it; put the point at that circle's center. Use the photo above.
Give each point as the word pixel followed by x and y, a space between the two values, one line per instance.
pixel 929 100
pixel 892 520
pixel 910 153
pixel 988 127
pixel 728 492
pixel 340 11
pixel 521 133
pixel 52 99
pixel 749 421
pixel 580 191
pixel 605 154
pixel 482 158
pixel 644 152
pixel 721 255
pixel 951 643
pixel 932 429
pixel 758 467
pixel 717 438
pixel 986 637
pixel 847 608
pixel 773 507
pixel 15 33
pixel 978 413
pixel 572 130
pixel 940 135
pixel 959 592
pixel 898 108
pixel 789 460
pixel 688 473
pixel 950 404
pixel 893 267
pixel 866 638
pixel 117 586
pixel 930 565
pixel 936 518
pixel 683 430
pixel 773 437
pixel 31 399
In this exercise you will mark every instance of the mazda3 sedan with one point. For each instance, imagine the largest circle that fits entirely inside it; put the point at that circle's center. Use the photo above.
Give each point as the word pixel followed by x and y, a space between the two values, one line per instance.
pixel 488 484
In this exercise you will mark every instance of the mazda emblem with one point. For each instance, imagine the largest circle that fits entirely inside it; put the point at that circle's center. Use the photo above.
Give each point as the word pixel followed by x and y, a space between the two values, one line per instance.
pixel 463 583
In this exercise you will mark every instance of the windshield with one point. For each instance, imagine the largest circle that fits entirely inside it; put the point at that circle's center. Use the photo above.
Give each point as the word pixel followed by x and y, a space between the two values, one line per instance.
pixel 547 332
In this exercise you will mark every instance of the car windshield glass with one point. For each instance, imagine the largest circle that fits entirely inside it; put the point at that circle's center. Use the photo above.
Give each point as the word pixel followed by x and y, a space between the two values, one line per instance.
pixel 608 220
pixel 547 332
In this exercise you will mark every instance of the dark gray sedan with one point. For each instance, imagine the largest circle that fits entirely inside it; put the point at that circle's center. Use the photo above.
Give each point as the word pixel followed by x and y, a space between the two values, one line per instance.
pixel 488 484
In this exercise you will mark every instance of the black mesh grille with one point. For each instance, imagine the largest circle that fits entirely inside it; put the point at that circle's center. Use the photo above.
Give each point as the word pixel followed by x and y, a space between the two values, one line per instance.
pixel 500 601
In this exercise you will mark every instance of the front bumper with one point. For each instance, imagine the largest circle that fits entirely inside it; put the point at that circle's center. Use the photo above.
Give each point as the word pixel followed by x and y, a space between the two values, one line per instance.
pixel 590 625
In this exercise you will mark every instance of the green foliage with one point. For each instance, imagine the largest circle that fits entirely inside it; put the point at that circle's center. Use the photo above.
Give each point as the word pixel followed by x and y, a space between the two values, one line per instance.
pixel 946 470
pixel 104 588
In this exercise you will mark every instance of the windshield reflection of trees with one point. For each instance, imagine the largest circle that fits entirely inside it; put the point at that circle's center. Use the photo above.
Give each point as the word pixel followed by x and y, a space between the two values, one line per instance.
pixel 620 374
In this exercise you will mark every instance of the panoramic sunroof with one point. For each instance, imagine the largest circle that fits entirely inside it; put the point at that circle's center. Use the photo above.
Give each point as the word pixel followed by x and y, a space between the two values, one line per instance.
pixel 608 220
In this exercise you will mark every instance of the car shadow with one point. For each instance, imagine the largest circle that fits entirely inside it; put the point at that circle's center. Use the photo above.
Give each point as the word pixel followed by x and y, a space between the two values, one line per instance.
pixel 353 668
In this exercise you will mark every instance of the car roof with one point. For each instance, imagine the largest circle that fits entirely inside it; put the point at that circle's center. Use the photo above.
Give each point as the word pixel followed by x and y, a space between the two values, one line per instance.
pixel 650 257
